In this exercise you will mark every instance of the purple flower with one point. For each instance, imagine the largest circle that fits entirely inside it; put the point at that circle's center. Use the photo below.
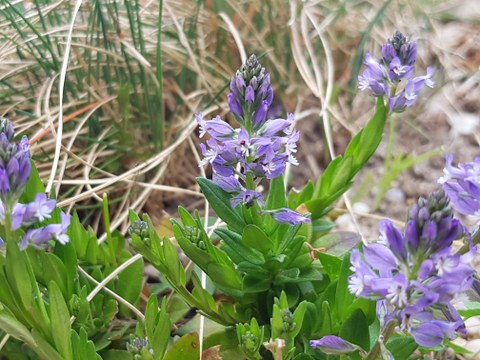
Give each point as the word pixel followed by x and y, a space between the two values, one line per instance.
pixel 38 237
pixel 247 198
pixel 286 216
pixel 259 150
pixel 429 334
pixel 416 275
pixel 250 94
pixel 332 344
pixel 385 77
pixel 462 185
pixel 38 210
pixel 14 164
pixel 14 172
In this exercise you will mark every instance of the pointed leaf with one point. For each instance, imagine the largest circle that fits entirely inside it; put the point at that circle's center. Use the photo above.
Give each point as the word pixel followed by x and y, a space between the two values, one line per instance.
pixel 219 200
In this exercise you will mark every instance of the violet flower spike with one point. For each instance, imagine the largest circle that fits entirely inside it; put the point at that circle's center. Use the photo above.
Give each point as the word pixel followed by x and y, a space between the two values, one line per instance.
pixel 14 173
pixel 417 273
pixel 392 76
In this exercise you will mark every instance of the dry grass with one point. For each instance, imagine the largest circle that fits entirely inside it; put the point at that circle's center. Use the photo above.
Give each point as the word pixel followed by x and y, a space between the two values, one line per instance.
pixel 127 109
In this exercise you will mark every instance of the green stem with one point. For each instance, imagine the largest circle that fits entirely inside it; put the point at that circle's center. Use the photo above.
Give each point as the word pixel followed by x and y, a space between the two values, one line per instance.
pixel 106 219
pixel 475 241
pixel 386 333
pixel 192 301
pixel 249 181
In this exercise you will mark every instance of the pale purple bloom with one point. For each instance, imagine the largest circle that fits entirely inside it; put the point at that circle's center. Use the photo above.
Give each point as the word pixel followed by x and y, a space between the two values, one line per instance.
pixel 332 344
pixel 234 105
pixel 462 185
pixel 416 274
pixel 37 237
pixel 287 216
pixel 14 164
pixel 259 150
pixel 383 78
pixel 429 334
pixel 247 198
pixel 38 210
pixel 250 92
pixel 14 172
pixel 228 183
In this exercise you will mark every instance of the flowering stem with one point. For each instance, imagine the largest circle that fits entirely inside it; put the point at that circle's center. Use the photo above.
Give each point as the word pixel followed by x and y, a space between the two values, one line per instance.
pixel 386 333
pixel 475 241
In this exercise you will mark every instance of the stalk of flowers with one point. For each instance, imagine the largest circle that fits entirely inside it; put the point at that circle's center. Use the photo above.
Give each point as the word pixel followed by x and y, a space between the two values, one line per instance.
pixel 14 173
pixel 392 76
pixel 260 149
pixel 416 275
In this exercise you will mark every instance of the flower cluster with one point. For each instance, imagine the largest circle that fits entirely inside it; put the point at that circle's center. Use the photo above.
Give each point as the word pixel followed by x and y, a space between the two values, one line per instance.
pixel 462 185
pixel 260 149
pixel 392 76
pixel 136 345
pixel 14 172
pixel 416 275
pixel 250 94
pixel 14 164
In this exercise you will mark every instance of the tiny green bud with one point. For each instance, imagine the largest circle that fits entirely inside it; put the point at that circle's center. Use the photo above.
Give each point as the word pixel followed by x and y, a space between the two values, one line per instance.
pixel 140 228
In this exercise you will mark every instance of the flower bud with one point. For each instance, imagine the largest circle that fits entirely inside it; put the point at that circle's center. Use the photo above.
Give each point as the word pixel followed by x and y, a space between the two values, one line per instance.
pixel 333 345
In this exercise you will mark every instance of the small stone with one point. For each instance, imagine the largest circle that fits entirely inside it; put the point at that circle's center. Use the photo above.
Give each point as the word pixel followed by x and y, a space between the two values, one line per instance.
pixel 395 195
pixel 361 207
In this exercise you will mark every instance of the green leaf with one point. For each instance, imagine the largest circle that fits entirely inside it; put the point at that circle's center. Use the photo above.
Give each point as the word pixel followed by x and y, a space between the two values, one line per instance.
pixel 339 174
pixel 130 283
pixel 287 276
pixel 276 198
pixel 67 255
pixel 298 317
pixel 219 200
pixel 370 137
pixel 237 251
pixel 82 347
pixel 327 323
pixel 114 354
pixel 254 284
pixel 18 275
pixel 331 264
pixel 295 199
pixel 161 333
pixel 472 309
pixel 79 237
pixel 355 330
pixel 401 347
pixel 151 313
pixel 48 267
pixel 33 187
pixel 177 308
pixel 13 327
pixel 254 237
pixel 368 307
pixel 337 243
pixel 343 297
pixel 60 320
pixel 186 348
